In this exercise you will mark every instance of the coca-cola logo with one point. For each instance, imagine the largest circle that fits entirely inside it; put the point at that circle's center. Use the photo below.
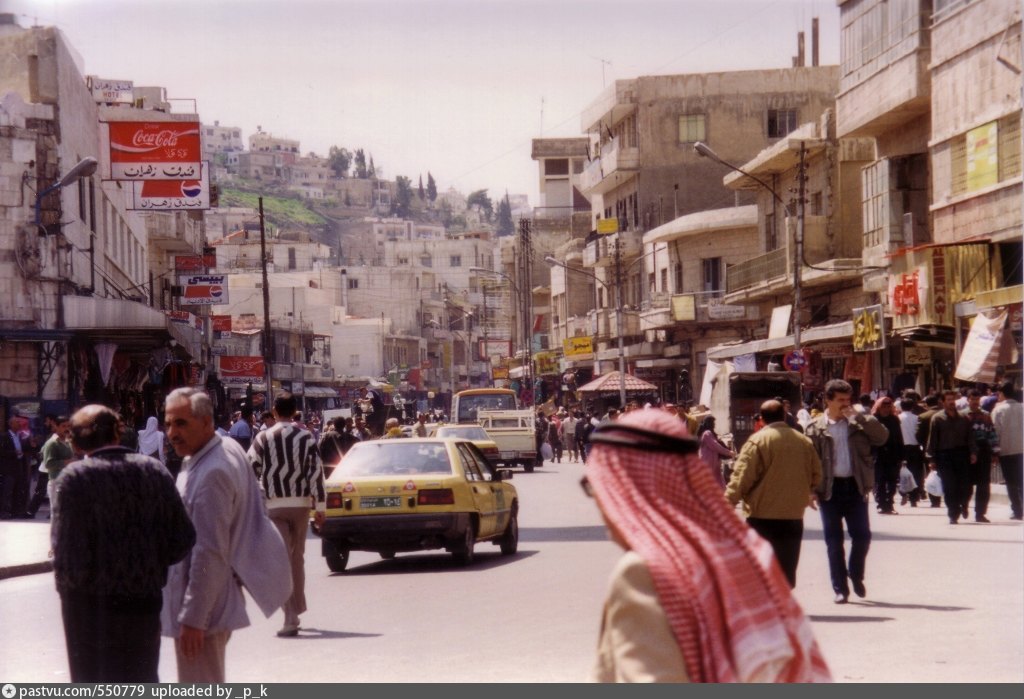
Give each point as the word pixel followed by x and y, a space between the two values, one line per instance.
pixel 158 139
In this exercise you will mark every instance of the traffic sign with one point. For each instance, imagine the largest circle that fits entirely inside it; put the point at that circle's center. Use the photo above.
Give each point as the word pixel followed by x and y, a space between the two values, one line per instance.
pixel 795 360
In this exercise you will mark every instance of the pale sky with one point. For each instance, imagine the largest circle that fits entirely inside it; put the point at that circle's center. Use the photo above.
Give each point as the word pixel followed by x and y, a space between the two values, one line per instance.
pixel 456 87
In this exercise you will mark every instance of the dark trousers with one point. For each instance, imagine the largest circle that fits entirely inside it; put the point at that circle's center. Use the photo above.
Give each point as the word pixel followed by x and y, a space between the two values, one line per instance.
pixel 785 536
pixel 42 479
pixel 887 479
pixel 953 466
pixel 915 463
pixel 14 491
pixel 979 482
pixel 846 504
pixel 1013 472
pixel 111 638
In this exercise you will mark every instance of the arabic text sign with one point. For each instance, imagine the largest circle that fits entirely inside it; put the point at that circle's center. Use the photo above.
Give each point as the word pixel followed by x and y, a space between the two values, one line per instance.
pixel 204 290
pixel 235 369
pixel 155 150
pixel 172 195
pixel 111 91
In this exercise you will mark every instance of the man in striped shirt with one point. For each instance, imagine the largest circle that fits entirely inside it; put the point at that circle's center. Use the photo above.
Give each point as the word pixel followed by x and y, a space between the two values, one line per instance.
pixel 288 467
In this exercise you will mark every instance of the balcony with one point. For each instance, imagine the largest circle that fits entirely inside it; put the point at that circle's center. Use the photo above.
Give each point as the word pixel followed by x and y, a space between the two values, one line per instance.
pixel 560 219
pixel 603 323
pixel 616 166
pixel 665 310
pixel 758 270
pixel 600 252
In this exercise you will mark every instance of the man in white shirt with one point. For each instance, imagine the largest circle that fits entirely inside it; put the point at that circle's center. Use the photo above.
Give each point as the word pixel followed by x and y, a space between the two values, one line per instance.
pixel 911 449
pixel 1008 418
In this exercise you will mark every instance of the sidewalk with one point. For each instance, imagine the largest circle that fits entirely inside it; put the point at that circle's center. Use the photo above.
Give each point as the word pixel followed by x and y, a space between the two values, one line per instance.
pixel 25 544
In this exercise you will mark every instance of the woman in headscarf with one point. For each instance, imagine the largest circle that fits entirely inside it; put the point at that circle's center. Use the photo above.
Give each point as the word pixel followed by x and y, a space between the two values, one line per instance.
pixel 712 449
pixel 698 595
pixel 151 440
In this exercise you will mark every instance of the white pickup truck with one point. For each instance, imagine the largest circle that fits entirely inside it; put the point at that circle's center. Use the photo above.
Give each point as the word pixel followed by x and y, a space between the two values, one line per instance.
pixel 513 432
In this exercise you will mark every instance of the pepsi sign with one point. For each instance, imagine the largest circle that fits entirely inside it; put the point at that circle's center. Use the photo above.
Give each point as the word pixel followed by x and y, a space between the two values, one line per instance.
pixel 204 290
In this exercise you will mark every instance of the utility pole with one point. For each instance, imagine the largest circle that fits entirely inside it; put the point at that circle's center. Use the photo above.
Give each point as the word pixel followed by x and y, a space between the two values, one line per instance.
pixel 526 244
pixel 487 356
pixel 618 323
pixel 268 344
pixel 798 251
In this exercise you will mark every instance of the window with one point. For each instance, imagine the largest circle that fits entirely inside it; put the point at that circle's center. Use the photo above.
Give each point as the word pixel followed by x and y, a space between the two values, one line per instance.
pixel 781 122
pixel 664 279
pixel 771 234
pixel 291 258
pixel 692 128
pixel 677 272
pixel 455 261
pixel 353 360
pixel 92 205
pixel 651 283
pixel 816 204
pixel 353 283
pixel 712 273
pixel 558 166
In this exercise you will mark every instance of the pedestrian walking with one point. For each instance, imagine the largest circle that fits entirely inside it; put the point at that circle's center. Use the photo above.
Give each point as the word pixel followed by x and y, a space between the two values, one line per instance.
pixel 55 454
pixel 912 456
pixel 236 543
pixel 554 438
pixel 775 476
pixel 979 473
pixel 924 426
pixel 696 595
pixel 118 524
pixel 843 437
pixel 14 476
pixel 888 457
pixel 151 440
pixel 1007 418
pixel 287 463
pixel 241 428
pixel 712 448
pixel 569 424
pixel 952 448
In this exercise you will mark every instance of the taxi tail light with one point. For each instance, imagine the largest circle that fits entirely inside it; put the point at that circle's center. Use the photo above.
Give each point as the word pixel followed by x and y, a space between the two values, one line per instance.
pixel 333 501
pixel 439 496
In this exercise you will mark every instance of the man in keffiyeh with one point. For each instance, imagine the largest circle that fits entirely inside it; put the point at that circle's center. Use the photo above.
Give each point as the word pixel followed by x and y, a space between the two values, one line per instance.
pixel 698 596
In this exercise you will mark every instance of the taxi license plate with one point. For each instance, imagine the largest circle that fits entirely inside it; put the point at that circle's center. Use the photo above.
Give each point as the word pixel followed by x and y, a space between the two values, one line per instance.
pixel 375 503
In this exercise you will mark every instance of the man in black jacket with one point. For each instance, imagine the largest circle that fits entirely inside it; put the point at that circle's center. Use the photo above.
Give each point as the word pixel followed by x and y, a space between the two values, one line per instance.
pixel 118 525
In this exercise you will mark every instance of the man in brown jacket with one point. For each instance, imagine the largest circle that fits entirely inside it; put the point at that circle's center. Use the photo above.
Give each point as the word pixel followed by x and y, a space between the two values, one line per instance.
pixel 775 475
pixel 843 438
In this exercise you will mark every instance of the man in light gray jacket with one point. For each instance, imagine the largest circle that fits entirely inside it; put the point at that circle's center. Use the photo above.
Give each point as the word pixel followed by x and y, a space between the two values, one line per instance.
pixel 236 543
pixel 1008 418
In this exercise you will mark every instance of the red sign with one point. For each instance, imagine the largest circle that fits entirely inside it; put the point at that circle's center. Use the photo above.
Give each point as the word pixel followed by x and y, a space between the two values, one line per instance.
pixel 172 195
pixel 235 369
pixel 221 323
pixel 155 150
pixel 795 361
pixel 905 297
pixel 205 290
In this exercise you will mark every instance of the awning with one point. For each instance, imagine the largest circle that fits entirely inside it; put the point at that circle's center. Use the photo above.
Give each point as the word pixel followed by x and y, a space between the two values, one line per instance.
pixel 320 392
pixel 818 333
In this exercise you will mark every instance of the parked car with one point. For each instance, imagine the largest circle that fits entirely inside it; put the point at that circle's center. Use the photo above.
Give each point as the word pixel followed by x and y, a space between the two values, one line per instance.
pixel 474 433
pixel 395 495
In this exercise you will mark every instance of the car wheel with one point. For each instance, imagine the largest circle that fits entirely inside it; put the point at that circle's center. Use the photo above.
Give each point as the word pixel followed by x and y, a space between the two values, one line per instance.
pixel 337 559
pixel 528 468
pixel 464 553
pixel 510 539
pixel 387 555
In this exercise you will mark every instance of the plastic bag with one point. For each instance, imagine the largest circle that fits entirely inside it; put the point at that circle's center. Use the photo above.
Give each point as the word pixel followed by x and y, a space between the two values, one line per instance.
pixel 907 482
pixel 546 451
pixel 933 484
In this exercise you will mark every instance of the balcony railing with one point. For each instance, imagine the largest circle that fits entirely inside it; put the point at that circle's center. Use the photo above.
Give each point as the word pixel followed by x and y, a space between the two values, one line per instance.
pixel 758 270
pixel 175 232
pixel 600 252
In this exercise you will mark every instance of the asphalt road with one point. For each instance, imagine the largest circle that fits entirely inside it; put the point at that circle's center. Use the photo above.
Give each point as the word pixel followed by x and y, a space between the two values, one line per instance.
pixel 944 604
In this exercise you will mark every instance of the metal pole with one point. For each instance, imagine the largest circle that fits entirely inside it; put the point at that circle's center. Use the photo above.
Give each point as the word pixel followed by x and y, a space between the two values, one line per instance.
pixel 798 253
pixel 268 344
pixel 618 322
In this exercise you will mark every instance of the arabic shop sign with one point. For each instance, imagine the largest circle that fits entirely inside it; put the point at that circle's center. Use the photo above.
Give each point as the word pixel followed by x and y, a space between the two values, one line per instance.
pixel 868 329
pixel 173 195
pixel 236 369
pixel 204 290
pixel 577 347
pixel 154 150
pixel 106 91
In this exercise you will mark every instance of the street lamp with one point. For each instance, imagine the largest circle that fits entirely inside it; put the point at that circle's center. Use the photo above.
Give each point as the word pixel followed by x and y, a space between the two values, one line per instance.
pixel 618 312
pixel 703 150
pixel 84 168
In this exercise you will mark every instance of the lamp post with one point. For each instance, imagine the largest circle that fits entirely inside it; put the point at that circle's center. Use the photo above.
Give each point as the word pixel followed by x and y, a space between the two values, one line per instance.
pixel 84 168
pixel 618 310
pixel 703 150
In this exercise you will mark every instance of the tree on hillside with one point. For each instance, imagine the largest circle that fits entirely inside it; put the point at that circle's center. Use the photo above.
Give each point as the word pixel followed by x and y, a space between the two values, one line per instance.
pixel 371 171
pixel 505 225
pixel 431 187
pixel 360 164
pixel 339 160
pixel 480 198
pixel 446 213
pixel 419 192
pixel 403 197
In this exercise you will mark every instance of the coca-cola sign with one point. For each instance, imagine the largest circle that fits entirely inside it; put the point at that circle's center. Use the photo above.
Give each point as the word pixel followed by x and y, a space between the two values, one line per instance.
pixel 236 369
pixel 155 150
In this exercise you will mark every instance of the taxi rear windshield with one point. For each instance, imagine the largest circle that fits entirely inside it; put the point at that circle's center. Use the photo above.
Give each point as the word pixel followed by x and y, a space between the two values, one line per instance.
pixel 467 432
pixel 393 458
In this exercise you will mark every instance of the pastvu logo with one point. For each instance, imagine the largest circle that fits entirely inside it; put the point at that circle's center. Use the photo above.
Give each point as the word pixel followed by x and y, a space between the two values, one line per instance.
pixel 9 691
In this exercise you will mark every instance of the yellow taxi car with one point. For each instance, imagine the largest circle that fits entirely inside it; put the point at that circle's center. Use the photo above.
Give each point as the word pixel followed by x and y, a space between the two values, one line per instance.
pixel 474 433
pixel 396 495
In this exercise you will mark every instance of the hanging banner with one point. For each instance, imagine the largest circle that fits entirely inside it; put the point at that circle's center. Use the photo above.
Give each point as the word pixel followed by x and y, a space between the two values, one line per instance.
pixel 241 370
pixel 173 195
pixel 154 150
pixel 980 356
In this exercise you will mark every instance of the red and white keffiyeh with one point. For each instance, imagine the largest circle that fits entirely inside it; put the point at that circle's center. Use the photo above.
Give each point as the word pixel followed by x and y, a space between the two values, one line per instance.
pixel 726 599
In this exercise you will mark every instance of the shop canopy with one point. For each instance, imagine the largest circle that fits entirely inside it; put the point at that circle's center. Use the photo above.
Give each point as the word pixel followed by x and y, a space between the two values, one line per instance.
pixel 610 382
